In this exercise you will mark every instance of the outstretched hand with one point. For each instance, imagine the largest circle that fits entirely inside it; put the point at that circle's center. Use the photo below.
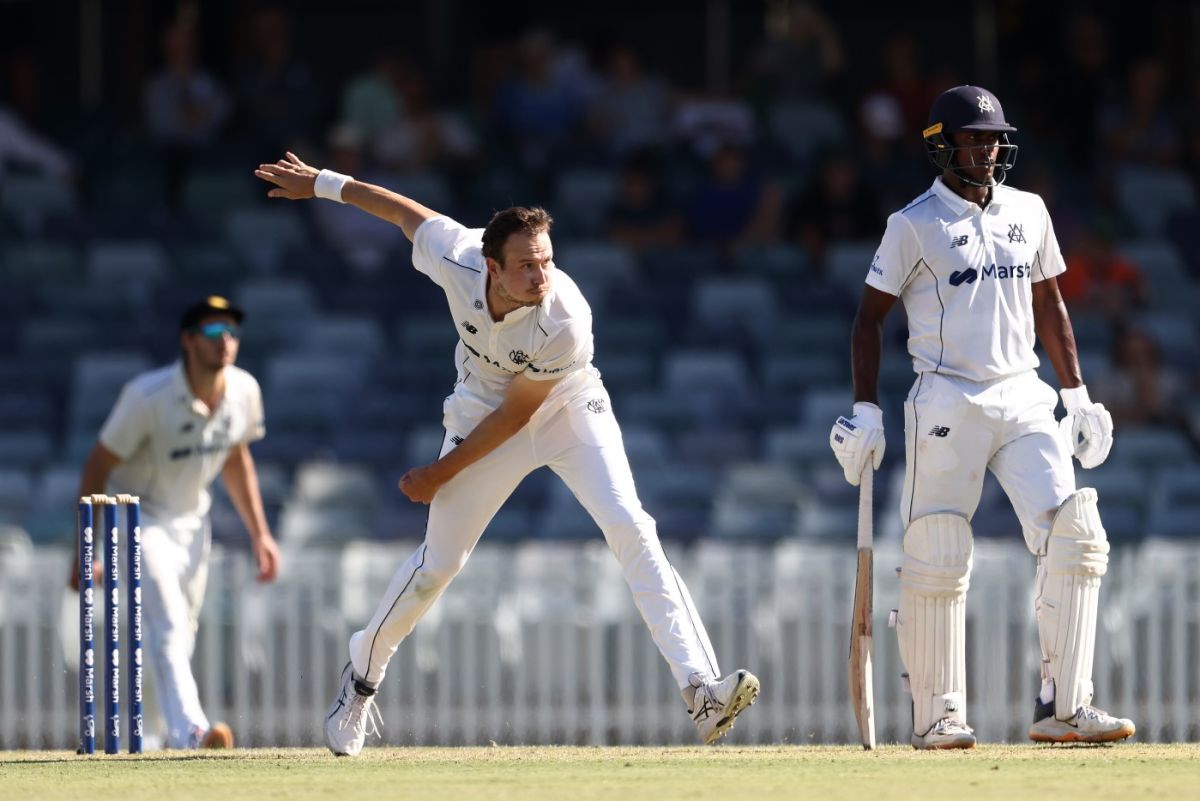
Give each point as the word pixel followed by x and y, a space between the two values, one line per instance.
pixel 293 179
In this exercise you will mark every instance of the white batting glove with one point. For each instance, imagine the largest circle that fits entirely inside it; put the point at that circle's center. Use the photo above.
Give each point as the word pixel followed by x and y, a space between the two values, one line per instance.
pixel 857 440
pixel 1088 427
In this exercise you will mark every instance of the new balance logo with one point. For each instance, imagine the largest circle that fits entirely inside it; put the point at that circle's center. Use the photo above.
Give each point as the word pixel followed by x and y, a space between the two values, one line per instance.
pixel 456 439
pixel 470 328
pixel 964 276
pixel 958 241
pixel 939 431
pixel 1016 234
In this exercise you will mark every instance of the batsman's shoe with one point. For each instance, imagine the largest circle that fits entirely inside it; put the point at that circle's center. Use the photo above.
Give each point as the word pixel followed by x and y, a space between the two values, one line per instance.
pixel 947 733
pixel 352 716
pixel 1088 725
pixel 716 703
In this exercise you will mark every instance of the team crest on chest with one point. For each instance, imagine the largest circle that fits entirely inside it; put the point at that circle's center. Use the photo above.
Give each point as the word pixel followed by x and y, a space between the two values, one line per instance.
pixel 518 357
pixel 1016 233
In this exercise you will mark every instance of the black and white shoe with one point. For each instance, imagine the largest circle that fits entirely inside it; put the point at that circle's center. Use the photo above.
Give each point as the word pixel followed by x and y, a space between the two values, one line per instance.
pixel 352 716
pixel 716 703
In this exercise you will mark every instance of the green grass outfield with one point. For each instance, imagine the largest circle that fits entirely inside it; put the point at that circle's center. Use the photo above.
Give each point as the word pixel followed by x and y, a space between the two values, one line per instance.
pixel 1057 773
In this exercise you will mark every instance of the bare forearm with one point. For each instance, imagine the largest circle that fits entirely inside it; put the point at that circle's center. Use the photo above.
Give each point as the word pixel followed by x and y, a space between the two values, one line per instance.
pixel 866 348
pixel 495 429
pixel 385 204
pixel 1058 339
pixel 241 481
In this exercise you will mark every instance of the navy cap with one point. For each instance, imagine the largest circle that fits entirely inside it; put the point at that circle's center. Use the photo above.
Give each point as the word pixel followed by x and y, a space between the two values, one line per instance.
pixel 213 304
pixel 966 108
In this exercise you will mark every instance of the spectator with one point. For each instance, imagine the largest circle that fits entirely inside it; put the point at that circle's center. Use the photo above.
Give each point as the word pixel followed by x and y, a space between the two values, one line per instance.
pixel 185 106
pixel 1139 390
pixel 804 60
pixel 734 204
pixel 642 216
pixel 837 206
pixel 534 112
pixel 21 145
pixel 632 110
pixel 1140 130
pixel 279 98
pixel 1099 278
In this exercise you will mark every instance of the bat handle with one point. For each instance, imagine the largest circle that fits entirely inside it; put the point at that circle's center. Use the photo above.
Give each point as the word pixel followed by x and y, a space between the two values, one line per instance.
pixel 866 522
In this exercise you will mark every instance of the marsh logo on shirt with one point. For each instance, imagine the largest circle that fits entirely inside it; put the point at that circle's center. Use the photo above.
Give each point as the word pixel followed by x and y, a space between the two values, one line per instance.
pixel 958 277
pixel 1007 271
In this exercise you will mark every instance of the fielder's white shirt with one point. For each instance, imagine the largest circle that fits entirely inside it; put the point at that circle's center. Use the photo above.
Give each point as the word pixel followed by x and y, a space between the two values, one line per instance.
pixel 965 276
pixel 549 341
pixel 171 446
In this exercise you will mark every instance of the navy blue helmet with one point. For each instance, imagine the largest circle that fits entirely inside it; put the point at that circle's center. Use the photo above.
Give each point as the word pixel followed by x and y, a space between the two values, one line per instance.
pixel 968 108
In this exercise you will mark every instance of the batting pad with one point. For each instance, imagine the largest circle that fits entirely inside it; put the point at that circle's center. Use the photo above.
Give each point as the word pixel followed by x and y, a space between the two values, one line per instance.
pixel 932 621
pixel 1069 592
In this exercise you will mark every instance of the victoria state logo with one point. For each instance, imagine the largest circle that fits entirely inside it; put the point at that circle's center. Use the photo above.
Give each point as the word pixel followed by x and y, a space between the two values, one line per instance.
pixel 985 104
pixel 518 357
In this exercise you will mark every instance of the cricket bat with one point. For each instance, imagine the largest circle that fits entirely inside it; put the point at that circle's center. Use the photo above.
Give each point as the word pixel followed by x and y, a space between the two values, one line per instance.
pixel 862 692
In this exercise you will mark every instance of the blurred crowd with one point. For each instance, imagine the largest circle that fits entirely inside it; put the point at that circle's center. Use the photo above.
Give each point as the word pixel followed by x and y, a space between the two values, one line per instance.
pixel 771 190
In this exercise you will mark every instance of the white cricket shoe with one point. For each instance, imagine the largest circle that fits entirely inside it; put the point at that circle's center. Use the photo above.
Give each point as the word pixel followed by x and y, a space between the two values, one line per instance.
pixel 716 703
pixel 946 734
pixel 1087 725
pixel 352 716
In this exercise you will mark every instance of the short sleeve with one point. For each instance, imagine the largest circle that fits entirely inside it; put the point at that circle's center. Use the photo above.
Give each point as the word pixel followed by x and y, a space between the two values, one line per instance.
pixel 129 424
pixel 256 424
pixel 436 240
pixel 1049 259
pixel 569 350
pixel 896 258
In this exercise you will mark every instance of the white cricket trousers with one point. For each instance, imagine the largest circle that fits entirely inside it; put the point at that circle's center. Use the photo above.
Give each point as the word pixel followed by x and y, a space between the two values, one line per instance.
pixel 581 442
pixel 955 429
pixel 174 574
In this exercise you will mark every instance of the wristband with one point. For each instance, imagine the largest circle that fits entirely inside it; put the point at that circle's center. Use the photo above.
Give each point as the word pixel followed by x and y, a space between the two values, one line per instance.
pixel 329 185
pixel 869 413
pixel 1075 398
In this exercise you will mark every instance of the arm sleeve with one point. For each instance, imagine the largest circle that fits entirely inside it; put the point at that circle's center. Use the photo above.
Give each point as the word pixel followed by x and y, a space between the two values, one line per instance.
pixel 569 350
pixel 436 240
pixel 1048 261
pixel 128 425
pixel 897 257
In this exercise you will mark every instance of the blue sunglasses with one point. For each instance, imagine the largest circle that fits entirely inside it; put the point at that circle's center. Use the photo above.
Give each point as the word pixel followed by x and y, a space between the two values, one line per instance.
pixel 217 330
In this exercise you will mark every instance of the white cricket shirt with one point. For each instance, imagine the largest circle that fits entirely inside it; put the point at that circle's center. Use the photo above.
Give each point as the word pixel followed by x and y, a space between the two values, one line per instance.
pixel 965 276
pixel 171 447
pixel 549 341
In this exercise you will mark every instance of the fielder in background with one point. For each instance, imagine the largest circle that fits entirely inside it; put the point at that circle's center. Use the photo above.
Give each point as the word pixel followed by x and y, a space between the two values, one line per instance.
pixel 171 432
pixel 527 395
pixel 975 263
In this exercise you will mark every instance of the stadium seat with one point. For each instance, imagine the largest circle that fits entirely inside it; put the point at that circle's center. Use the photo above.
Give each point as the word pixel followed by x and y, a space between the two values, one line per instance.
pixel 779 261
pixel 25 449
pixel 260 237
pixel 34 263
pixel 582 198
pixel 122 265
pixel 847 264
pixel 804 128
pixel 732 306
pixel 1150 196
pixel 31 200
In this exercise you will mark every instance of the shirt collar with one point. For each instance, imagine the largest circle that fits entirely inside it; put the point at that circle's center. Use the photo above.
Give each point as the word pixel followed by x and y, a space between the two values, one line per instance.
pixel 183 391
pixel 959 204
